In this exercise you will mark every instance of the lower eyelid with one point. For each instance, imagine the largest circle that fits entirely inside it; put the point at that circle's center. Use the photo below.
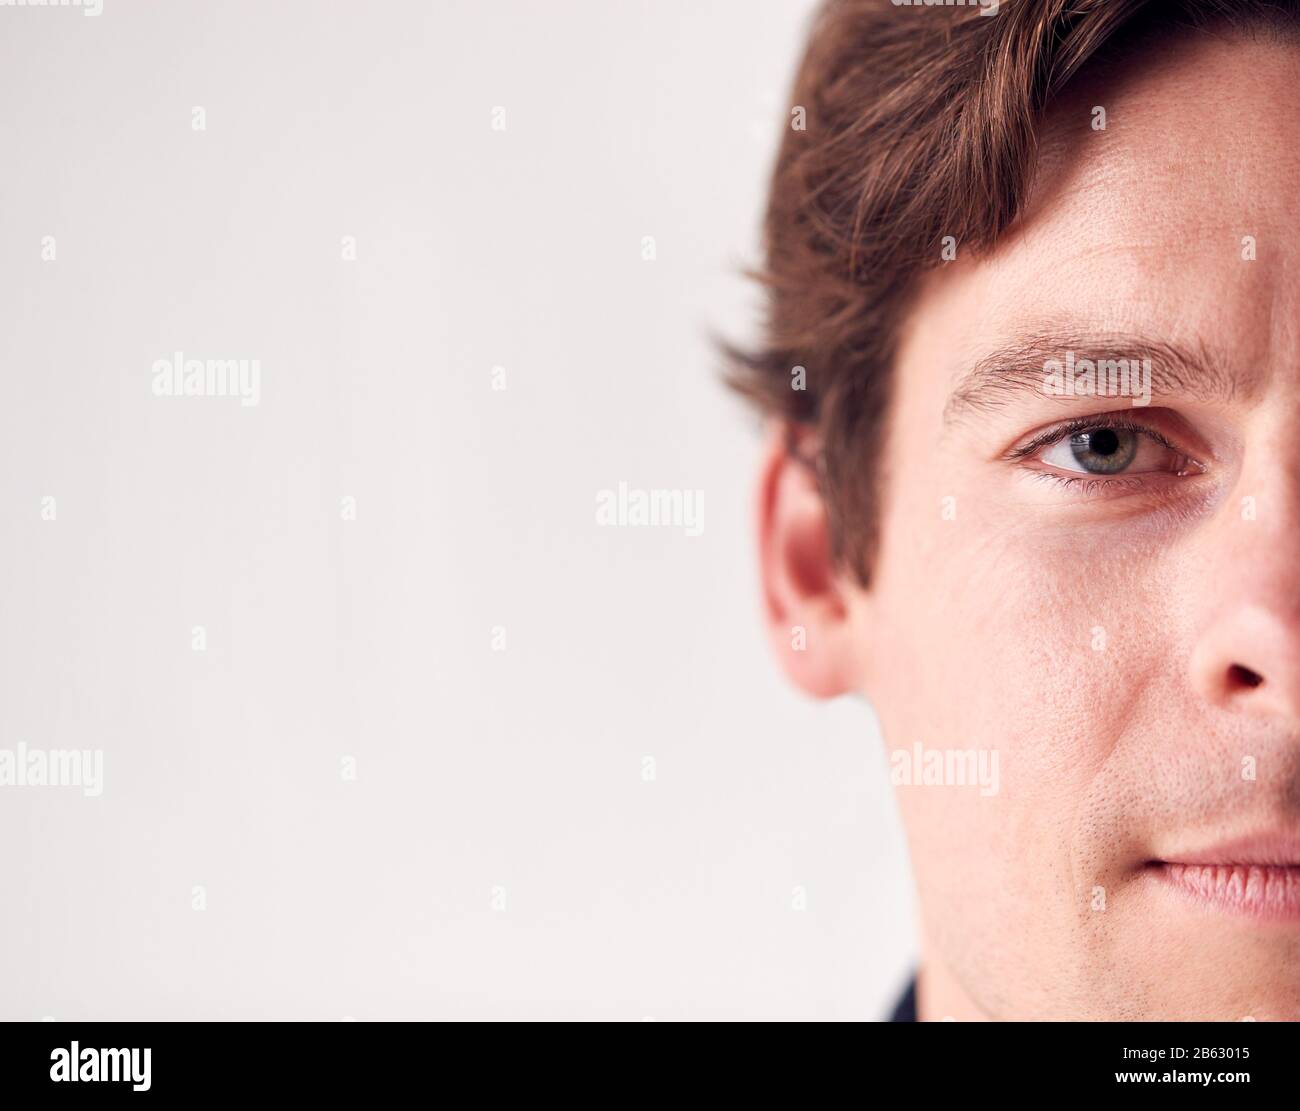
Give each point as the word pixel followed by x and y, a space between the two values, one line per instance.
pixel 1083 486
pixel 1081 489
pixel 1093 481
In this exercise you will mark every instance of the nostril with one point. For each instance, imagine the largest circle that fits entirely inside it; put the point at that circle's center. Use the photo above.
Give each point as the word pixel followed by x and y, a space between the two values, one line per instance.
pixel 1239 676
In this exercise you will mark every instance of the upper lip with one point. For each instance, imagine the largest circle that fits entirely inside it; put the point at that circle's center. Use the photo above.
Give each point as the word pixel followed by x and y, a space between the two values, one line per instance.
pixel 1278 850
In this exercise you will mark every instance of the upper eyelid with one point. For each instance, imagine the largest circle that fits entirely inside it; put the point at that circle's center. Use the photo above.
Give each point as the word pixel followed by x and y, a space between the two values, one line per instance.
pixel 1058 432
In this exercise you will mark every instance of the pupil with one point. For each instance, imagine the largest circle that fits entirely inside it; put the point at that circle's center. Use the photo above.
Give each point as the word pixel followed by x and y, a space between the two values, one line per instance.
pixel 1104 450
pixel 1103 441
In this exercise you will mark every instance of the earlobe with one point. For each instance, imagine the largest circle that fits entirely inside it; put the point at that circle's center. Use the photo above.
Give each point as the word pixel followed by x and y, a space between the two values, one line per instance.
pixel 805 607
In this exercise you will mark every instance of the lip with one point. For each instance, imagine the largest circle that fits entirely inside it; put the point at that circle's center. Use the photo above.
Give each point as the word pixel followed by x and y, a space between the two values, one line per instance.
pixel 1255 877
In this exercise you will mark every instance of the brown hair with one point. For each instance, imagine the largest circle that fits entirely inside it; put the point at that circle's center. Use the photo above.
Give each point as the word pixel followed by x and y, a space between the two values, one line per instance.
pixel 920 124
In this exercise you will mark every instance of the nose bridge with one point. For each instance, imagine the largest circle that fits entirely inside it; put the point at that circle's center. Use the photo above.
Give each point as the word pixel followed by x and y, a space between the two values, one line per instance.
pixel 1260 523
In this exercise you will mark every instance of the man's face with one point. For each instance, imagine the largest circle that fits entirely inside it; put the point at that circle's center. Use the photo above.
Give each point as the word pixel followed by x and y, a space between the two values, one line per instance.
pixel 1115 613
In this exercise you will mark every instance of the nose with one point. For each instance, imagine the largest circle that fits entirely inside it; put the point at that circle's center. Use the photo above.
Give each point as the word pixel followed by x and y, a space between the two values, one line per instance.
pixel 1246 648
pixel 1248 659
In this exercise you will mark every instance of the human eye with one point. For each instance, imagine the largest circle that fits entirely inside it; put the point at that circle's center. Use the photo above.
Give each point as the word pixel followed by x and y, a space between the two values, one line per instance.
pixel 1103 450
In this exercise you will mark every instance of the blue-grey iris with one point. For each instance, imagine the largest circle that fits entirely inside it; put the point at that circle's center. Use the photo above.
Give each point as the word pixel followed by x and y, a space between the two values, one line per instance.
pixel 1104 450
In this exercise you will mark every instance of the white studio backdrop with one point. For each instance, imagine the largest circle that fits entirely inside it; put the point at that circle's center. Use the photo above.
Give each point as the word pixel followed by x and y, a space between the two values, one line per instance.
pixel 391 726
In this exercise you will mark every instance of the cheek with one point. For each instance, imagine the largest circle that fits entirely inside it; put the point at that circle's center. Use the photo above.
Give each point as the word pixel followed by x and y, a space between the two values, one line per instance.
pixel 1038 644
pixel 1014 627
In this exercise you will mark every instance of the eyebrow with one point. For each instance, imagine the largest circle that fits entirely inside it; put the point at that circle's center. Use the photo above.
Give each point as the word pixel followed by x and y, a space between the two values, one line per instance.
pixel 1018 368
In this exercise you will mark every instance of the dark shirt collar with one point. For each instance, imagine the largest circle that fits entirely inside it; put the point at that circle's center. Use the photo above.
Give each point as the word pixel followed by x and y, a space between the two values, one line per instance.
pixel 905 1011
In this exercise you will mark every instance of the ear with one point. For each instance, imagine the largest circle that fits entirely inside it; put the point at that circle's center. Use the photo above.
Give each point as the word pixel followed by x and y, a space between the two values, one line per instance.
pixel 803 593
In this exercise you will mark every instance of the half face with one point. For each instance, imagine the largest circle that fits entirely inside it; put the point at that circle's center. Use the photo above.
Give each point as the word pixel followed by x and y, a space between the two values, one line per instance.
pixel 1100 588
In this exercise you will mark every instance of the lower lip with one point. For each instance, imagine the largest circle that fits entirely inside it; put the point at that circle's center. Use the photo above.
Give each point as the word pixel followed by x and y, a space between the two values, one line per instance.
pixel 1267 891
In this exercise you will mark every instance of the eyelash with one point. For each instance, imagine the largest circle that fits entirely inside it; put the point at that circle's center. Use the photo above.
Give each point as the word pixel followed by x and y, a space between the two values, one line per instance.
pixel 1086 483
pixel 1090 483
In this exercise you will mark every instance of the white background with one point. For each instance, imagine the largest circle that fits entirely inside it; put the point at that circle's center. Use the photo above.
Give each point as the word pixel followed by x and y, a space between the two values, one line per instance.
pixel 476 770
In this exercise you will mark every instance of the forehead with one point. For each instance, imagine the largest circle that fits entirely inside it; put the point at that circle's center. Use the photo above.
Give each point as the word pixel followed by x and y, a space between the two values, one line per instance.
pixel 1143 227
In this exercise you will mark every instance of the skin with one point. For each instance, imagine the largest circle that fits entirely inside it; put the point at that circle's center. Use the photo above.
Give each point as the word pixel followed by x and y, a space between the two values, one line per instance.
pixel 980 631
